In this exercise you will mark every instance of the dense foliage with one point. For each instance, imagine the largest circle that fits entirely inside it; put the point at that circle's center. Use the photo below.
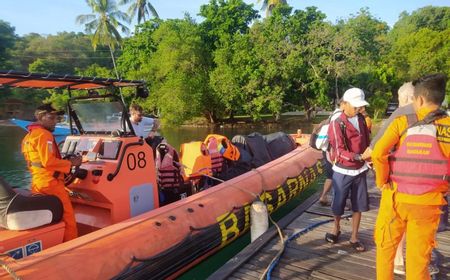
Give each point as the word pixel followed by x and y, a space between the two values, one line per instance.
pixel 236 63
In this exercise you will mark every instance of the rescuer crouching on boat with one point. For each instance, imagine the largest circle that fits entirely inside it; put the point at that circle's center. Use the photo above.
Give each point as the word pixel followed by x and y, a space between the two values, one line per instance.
pixel 20 211
pixel 46 165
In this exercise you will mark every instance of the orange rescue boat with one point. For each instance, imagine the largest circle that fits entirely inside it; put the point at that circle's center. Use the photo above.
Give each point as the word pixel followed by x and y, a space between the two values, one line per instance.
pixel 125 232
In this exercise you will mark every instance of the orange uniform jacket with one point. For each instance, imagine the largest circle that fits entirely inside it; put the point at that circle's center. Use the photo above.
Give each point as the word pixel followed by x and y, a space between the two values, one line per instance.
pixel 417 215
pixel 391 138
pixel 43 158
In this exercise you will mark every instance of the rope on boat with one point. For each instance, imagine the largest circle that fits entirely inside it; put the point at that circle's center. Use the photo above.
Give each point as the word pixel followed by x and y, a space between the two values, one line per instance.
pixel 217 179
pixel 277 258
pixel 8 269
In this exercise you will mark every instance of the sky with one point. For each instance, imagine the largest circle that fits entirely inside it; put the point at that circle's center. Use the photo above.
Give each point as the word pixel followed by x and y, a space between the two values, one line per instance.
pixel 52 16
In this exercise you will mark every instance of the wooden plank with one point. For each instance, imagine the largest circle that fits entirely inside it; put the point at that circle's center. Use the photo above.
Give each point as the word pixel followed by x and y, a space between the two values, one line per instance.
pixel 311 257
pixel 255 246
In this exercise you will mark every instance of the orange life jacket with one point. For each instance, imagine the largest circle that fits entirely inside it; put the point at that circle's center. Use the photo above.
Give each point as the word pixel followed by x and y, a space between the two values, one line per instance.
pixel 418 166
pixel 195 159
pixel 224 146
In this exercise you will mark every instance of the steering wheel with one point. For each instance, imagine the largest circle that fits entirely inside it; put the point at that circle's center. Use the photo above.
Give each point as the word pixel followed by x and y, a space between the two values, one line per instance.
pixel 71 176
pixel 74 172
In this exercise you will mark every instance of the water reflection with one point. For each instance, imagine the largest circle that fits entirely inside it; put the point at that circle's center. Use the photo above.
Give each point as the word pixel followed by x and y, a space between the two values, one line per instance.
pixel 13 167
pixel 12 164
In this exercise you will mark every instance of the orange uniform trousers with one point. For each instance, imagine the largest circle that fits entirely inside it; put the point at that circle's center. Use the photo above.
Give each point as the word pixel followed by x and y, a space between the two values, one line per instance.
pixel 56 187
pixel 420 222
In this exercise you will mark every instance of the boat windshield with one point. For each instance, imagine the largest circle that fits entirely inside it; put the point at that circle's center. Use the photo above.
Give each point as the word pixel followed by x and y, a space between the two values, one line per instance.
pixel 99 117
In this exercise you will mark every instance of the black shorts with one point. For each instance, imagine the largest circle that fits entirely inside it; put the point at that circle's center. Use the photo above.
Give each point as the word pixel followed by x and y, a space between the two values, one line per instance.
pixel 356 186
pixel 327 167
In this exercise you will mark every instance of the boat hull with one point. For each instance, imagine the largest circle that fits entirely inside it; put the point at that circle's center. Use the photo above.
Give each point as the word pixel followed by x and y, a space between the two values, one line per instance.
pixel 166 241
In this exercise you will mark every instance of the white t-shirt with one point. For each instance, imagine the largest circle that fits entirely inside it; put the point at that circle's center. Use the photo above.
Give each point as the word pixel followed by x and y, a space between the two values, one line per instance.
pixel 354 121
pixel 143 128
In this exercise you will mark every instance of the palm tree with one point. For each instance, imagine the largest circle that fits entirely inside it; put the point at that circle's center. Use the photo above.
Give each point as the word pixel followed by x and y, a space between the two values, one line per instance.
pixel 103 24
pixel 143 8
pixel 268 5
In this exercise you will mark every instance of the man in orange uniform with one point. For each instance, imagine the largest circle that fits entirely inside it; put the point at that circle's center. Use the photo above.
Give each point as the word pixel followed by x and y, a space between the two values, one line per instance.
pixel 45 164
pixel 414 182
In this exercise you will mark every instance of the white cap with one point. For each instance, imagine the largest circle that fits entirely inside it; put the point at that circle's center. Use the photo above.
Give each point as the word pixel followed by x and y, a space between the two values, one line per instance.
pixel 355 97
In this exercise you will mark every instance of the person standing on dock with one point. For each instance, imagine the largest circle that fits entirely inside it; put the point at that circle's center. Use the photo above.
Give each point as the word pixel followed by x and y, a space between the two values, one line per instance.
pixel 327 164
pixel 413 180
pixel 349 138
pixel 45 164
pixel 405 107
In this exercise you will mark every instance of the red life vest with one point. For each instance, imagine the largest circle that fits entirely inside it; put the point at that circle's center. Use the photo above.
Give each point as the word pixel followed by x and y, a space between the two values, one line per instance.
pixel 418 165
pixel 168 167
pixel 216 157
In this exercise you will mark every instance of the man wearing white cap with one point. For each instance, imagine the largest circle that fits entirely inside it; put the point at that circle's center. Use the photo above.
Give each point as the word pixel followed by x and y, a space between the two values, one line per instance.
pixel 349 138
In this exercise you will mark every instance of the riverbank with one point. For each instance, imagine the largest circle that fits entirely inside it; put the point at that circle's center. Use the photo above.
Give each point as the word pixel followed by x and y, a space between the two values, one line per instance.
pixel 6 123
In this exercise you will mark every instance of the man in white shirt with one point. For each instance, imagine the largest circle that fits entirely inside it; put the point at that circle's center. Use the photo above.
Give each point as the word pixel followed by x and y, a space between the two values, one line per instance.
pixel 143 126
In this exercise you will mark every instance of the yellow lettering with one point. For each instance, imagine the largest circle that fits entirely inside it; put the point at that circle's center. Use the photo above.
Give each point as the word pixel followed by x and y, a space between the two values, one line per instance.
pixel 293 187
pixel 443 131
pixel 247 216
pixel 267 197
pixel 228 227
pixel 418 144
pixel 281 196
pixel 417 152
pixel 319 167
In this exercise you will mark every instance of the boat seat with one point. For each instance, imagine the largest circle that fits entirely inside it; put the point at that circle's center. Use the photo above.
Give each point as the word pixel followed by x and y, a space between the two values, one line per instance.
pixel 22 243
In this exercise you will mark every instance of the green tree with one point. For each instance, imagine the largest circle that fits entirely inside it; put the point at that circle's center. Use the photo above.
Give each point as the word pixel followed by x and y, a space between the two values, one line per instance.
pixel 420 43
pixel 103 23
pixel 7 41
pixel 49 66
pixel 138 50
pixel 69 50
pixel 172 57
pixel 434 18
pixel 224 18
pixel 142 8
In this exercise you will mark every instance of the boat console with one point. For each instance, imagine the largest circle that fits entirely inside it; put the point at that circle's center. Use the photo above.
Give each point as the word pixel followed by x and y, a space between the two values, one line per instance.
pixel 119 177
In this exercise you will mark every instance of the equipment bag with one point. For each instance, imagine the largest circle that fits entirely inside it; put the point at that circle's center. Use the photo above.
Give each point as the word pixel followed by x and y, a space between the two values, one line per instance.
pixel 279 144
pixel 319 137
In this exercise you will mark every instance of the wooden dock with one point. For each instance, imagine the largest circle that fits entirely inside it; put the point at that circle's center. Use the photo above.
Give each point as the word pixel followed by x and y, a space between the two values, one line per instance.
pixel 310 256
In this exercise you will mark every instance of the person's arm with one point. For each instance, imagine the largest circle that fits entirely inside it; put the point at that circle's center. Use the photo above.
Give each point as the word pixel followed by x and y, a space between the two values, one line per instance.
pixel 337 142
pixel 382 149
pixel 48 157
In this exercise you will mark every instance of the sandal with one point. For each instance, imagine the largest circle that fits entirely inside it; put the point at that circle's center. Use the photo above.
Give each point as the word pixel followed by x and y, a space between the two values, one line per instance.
pixel 324 203
pixel 358 246
pixel 332 238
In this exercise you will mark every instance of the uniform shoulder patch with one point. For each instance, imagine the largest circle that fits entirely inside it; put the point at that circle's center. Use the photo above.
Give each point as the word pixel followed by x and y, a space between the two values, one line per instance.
pixel 443 133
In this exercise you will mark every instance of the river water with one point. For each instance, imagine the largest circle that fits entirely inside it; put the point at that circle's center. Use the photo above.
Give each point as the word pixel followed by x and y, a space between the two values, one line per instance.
pixel 13 167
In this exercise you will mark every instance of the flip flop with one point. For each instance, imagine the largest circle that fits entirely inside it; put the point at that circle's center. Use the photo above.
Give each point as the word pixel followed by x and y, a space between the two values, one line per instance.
pixel 324 203
pixel 358 246
pixel 332 238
